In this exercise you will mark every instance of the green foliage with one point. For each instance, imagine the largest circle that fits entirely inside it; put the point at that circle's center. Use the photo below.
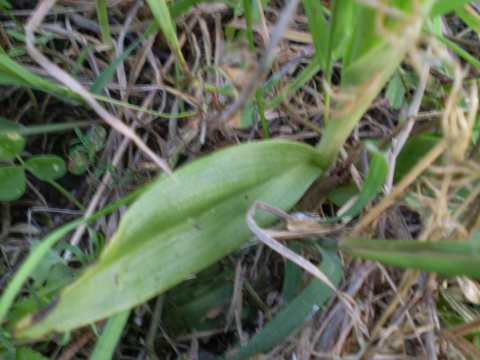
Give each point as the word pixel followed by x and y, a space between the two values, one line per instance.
pixel 377 173
pixel 414 150
pixel 12 182
pixel 443 7
pixel 181 225
pixel 25 353
pixel 163 18
pixel 395 92
pixel 45 167
pixel 110 336
pixel 11 144
pixel 319 30
pixel 84 149
pixel 201 304
pixel 295 313
pixel 449 258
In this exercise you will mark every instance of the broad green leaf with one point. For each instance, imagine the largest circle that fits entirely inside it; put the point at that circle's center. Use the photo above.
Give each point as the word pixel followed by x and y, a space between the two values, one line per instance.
pixel 201 303
pixel 395 92
pixel 9 125
pixel 11 144
pixel 12 182
pixel 5 4
pixel 46 167
pixel 25 353
pixel 377 173
pixel 306 304
pixel 443 7
pixel 341 194
pixel 450 258
pixel 179 226
pixel 414 149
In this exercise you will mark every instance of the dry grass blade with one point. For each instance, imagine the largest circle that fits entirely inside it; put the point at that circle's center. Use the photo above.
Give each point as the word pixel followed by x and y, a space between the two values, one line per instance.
pixel 55 71
pixel 279 248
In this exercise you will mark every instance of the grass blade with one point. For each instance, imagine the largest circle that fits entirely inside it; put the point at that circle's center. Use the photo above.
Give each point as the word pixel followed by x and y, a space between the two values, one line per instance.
pixel 370 61
pixel 460 52
pixel 449 258
pixel 377 173
pixel 319 30
pixel 307 303
pixel 162 16
pixel 110 337
pixel 443 7
pixel 19 75
pixel 102 14
pixel 38 253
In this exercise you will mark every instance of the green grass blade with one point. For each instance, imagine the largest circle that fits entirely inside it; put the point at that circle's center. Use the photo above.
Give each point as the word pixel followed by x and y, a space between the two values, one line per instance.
pixel 110 337
pixel 15 72
pixel 102 14
pixel 377 173
pixel 470 17
pixel 305 75
pixel 443 7
pixel 109 72
pixel 308 302
pixel 460 52
pixel 368 65
pixel 449 258
pixel 340 28
pixel 29 265
pixel 37 254
pixel 164 20
pixel 292 277
pixel 319 30
pixel 251 46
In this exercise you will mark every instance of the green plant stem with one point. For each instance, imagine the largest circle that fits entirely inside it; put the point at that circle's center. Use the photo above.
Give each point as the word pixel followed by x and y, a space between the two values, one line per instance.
pixel 110 336
pixel 102 13
pixel 251 46
pixel 38 252
pixel 53 128
pixel 67 194
pixel 460 51
pixel 248 22
pixel 328 62
pixel 261 111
